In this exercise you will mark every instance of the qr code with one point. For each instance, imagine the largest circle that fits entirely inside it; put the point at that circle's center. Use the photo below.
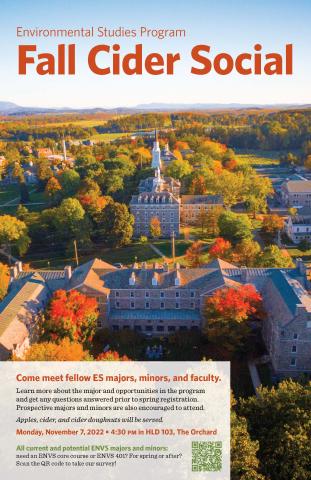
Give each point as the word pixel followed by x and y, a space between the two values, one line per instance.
pixel 206 456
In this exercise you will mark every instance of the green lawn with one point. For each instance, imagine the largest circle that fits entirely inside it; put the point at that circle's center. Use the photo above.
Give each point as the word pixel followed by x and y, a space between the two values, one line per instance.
pixel 257 157
pixel 296 253
pixel 126 256
pixel 8 193
pixel 107 137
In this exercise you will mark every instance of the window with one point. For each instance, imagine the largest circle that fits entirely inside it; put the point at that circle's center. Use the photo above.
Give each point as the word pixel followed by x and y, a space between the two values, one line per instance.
pixel 192 305
pixel 162 305
pixel 132 294
pixel 171 328
pixel 132 304
pixel 309 324
pixel 160 328
pixel 146 294
pixel 115 328
pixel 192 294
pixel 147 305
pixel 293 362
pixel 149 328
pixel 162 294
pixel 295 336
pixel 294 348
pixel 137 328
pixel 117 304
pixel 182 329
pixel 117 294
pixel 177 305
pixel 177 294
pixel 126 327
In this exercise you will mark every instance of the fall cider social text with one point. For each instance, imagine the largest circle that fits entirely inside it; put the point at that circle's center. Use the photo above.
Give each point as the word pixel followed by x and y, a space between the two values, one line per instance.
pixel 106 59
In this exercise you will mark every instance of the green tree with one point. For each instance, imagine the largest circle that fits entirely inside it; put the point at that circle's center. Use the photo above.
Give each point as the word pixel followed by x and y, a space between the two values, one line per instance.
pixel 178 169
pixel 115 225
pixel 273 257
pixel 244 461
pixel 279 418
pixel 234 227
pixel 14 231
pixel 69 181
pixel 69 219
pixel 246 252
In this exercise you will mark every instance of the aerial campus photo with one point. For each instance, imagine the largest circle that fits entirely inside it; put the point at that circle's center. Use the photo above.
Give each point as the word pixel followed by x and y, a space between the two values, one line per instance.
pixel 167 235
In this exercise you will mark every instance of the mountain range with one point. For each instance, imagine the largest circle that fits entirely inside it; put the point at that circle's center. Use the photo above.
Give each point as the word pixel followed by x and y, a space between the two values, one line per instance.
pixel 9 108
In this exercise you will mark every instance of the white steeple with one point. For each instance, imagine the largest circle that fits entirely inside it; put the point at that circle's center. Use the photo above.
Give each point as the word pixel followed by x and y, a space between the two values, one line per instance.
pixel 157 181
pixel 156 153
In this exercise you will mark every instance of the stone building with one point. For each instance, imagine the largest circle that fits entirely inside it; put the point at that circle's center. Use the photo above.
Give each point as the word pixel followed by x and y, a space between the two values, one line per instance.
pixel 298 226
pixel 192 206
pixel 296 193
pixel 158 300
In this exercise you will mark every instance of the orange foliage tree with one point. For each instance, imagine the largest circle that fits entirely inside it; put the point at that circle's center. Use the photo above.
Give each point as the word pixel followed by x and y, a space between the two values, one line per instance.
pixel 69 314
pixel 221 248
pixel 226 313
pixel 194 254
pixel 63 351
pixel 112 356
pixel 272 223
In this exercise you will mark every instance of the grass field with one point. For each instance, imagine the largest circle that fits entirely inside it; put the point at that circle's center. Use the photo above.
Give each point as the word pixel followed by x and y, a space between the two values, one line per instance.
pixel 107 137
pixel 252 157
pixel 8 193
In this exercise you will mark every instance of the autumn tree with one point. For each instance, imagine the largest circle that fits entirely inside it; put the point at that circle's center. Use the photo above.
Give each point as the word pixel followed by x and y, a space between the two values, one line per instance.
pixel 226 313
pixel 155 227
pixel 272 223
pixel 202 220
pixel 274 257
pixel 69 314
pixel 198 185
pixel 212 219
pixel 63 351
pixel 4 280
pixel 14 231
pixel 194 254
pixel 53 189
pixel 221 248
pixel 279 419
pixel 246 252
pixel 243 451
pixel 112 356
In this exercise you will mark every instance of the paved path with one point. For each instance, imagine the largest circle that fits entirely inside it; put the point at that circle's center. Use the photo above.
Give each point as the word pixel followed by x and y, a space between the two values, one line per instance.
pixel 254 376
pixel 157 251
pixel 6 254
pixel 16 199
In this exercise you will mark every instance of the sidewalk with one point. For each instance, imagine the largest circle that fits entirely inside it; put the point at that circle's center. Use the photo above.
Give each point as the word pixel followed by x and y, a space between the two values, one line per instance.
pixel 254 376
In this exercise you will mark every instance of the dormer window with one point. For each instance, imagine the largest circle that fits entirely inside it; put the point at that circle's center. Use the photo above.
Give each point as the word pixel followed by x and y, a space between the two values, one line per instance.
pixel 154 280
pixel 132 279
pixel 177 280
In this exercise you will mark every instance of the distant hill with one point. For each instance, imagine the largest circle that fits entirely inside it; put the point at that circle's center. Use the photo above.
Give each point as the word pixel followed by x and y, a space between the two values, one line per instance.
pixel 9 108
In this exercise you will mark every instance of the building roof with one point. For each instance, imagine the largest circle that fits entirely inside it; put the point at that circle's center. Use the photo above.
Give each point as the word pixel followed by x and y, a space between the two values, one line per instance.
pixel 298 186
pixel 291 290
pixel 155 314
pixel 198 199
pixel 18 299
pixel 154 198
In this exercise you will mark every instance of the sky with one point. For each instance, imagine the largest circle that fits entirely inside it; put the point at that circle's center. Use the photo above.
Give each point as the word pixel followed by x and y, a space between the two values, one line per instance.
pixel 231 26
